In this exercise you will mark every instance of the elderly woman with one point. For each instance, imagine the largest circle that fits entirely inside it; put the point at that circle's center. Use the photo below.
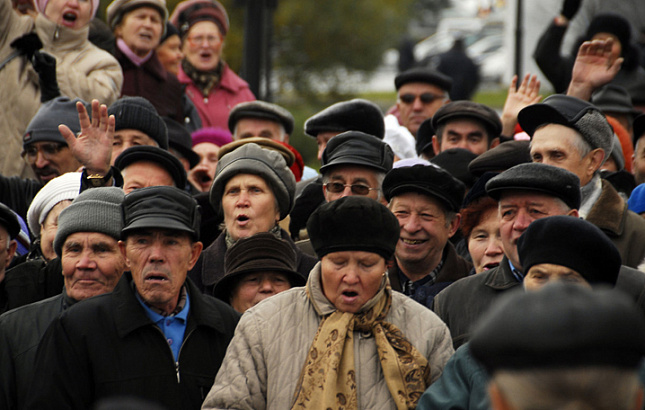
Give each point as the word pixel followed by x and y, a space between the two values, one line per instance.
pixel 345 340
pixel 211 85
pixel 82 70
pixel 254 189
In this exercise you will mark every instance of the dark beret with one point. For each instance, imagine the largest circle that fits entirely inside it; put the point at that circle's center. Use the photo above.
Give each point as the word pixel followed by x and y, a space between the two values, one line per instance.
pixel 504 156
pixel 560 326
pixel 478 190
pixel 455 161
pixel 571 242
pixel 262 110
pixel 424 136
pixel 468 109
pixel 353 115
pixel 180 140
pixel 357 148
pixel 353 223
pixel 614 99
pixel 423 75
pixel 428 180
pixel 542 178
pixel 9 221
pixel 157 155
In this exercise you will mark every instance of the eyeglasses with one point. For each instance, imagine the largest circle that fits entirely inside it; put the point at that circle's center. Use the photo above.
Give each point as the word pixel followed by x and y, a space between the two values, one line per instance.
pixel 357 189
pixel 196 41
pixel 426 98
pixel 48 150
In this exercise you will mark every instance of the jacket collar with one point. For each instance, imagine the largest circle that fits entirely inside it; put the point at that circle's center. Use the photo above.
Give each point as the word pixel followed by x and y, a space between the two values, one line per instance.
pixel 152 65
pixel 229 80
pixel 609 212
pixel 500 277
pixel 63 38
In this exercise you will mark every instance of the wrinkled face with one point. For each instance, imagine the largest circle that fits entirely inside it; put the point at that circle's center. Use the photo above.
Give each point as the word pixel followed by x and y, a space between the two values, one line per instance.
pixel 159 260
pixel 48 229
pixel 142 174
pixel 203 45
pixel 126 138
pixel 464 133
pixel 555 144
pixel 414 111
pixel 322 139
pixel 517 209
pixel 351 278
pixel 351 175
pixel 544 273
pixel 249 206
pixel 485 242
pixel 424 229
pixel 638 165
pixel 258 127
pixel 204 172
pixel 170 55
pixel 141 30
pixel 74 14
pixel 50 159
pixel 92 264
pixel 253 288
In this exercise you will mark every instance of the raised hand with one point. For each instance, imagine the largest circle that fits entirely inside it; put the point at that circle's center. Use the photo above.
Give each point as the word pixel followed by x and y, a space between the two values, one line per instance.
pixel 517 99
pixel 594 67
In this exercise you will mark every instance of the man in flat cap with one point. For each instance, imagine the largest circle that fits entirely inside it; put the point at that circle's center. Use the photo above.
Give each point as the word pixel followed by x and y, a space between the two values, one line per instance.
pixel 466 124
pixel 420 93
pixel 260 119
pixel 426 201
pixel 562 347
pixel 142 166
pixel 574 135
pixel 155 336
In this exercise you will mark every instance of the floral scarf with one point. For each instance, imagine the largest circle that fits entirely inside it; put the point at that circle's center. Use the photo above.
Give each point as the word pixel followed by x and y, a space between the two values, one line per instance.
pixel 205 81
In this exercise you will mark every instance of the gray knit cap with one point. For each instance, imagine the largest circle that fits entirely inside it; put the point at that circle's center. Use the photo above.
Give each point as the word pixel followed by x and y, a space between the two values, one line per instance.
pixel 94 210
pixel 251 159
pixel 44 125
pixel 139 114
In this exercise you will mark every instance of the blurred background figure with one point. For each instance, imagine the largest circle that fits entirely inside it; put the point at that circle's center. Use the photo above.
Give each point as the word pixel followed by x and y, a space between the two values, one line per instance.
pixel 169 49
pixel 456 64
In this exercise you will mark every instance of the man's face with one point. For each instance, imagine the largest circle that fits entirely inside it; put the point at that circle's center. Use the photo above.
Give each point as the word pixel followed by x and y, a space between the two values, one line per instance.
pixel 159 260
pixel 126 138
pixel 92 264
pixel 412 108
pixel 351 175
pixel 517 209
pixel 203 173
pixel 322 139
pixel 463 133
pixel 143 174
pixel 555 144
pixel 638 165
pixel 258 127
pixel 544 273
pixel 424 228
pixel 49 159
pixel 254 287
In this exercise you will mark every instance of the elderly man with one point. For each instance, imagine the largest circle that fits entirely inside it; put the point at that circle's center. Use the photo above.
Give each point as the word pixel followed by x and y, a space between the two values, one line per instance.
pixel 143 166
pixel 574 135
pixel 465 124
pixel 92 264
pixel 260 119
pixel 155 336
pixel 426 201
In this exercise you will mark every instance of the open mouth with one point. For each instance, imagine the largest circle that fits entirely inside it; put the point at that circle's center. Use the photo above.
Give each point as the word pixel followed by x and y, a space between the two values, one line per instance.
pixel 156 278
pixel 70 17
pixel 413 241
pixel 350 294
pixel 145 36
pixel 491 265
pixel 242 218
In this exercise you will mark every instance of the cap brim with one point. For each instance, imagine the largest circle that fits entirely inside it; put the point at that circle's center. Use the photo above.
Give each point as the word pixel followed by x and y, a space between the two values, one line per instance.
pixel 533 116
pixel 156 222
pixel 403 188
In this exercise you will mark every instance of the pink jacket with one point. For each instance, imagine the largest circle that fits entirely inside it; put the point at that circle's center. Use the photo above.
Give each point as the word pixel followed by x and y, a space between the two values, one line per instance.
pixel 215 108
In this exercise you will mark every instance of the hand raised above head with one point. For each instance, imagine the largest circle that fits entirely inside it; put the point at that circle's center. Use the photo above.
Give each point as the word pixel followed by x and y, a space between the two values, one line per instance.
pixel 594 67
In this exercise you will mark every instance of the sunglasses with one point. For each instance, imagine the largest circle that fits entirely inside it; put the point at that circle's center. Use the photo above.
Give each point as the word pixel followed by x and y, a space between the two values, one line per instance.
pixel 357 189
pixel 426 98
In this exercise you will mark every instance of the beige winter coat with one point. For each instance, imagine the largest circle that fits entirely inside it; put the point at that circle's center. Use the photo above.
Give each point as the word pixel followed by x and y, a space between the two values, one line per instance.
pixel 263 362
pixel 83 70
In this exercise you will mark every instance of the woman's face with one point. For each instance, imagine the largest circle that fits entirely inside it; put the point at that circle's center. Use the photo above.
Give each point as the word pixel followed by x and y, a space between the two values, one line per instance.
pixel 74 14
pixel 249 206
pixel 170 55
pixel 254 287
pixel 485 243
pixel 203 45
pixel 351 278
pixel 141 30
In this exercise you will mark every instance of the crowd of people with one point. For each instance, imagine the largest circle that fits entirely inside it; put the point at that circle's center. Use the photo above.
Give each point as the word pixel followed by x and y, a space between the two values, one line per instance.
pixel 163 246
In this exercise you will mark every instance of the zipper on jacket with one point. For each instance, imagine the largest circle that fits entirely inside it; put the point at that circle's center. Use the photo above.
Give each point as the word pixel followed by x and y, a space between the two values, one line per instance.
pixel 57 32
pixel 179 354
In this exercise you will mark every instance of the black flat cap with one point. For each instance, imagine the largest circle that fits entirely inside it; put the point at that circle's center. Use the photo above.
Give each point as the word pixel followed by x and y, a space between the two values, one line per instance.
pixel 180 140
pixel 262 110
pixel 428 180
pixel 571 242
pixel 455 161
pixel 639 127
pixel 538 177
pixel 468 109
pixel 571 112
pixel 161 207
pixel 9 221
pixel 157 155
pixel 353 115
pixel 560 326
pixel 423 75
pixel 478 190
pixel 424 136
pixel 504 156
pixel 614 99
pixel 262 252
pixel 353 223
pixel 357 148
